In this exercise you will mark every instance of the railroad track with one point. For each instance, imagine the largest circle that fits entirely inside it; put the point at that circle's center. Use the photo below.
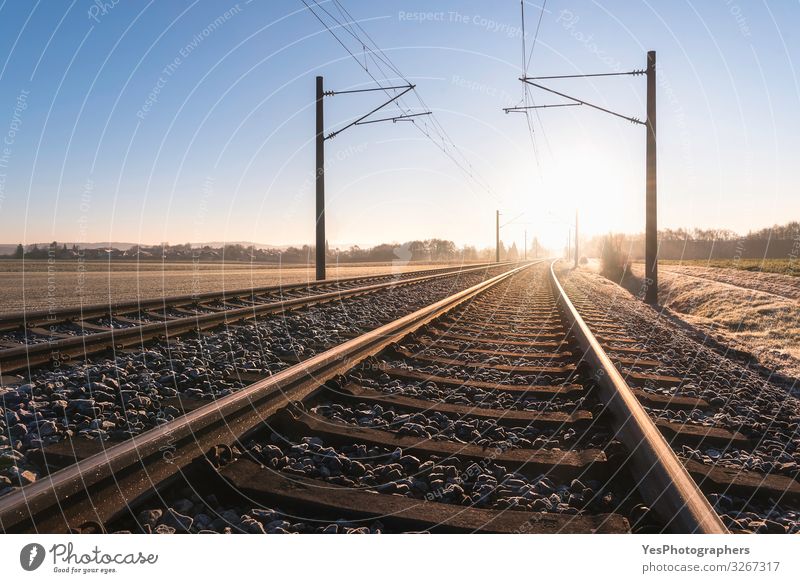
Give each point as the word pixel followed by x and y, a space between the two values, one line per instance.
pixel 493 410
pixel 30 339
pixel 733 427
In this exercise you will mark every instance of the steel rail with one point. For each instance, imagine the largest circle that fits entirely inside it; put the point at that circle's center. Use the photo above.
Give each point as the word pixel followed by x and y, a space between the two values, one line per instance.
pixel 102 487
pixel 662 479
pixel 65 349
pixel 15 320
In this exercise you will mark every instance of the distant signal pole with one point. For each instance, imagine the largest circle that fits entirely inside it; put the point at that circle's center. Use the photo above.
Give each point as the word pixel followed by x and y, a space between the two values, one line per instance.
pixel 320 143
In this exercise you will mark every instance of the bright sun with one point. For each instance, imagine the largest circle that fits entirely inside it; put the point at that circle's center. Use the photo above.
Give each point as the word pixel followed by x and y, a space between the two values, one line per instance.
pixel 602 184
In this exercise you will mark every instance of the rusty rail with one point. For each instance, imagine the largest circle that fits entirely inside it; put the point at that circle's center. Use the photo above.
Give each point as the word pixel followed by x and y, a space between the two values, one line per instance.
pixel 662 479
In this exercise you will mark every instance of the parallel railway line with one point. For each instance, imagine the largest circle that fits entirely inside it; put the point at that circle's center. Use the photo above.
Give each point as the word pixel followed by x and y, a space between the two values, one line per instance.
pixel 31 339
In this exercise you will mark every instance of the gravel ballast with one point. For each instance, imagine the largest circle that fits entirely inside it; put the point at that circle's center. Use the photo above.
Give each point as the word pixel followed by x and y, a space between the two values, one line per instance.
pixel 742 399
pixel 114 397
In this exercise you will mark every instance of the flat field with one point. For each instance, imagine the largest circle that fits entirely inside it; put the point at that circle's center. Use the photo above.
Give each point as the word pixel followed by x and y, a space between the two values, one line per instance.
pixel 755 312
pixel 781 266
pixel 35 285
pixel 770 282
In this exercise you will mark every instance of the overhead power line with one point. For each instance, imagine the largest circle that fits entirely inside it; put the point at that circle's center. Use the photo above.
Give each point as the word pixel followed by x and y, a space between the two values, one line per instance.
pixel 535 34
pixel 428 125
pixel 527 101
pixel 378 55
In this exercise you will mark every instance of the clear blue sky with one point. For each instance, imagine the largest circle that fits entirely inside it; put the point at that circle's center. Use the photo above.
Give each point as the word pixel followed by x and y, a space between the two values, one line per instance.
pixel 225 150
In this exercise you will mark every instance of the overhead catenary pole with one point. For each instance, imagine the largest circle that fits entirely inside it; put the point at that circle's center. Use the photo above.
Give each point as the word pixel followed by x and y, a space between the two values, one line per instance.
pixel 576 238
pixel 526 244
pixel 651 205
pixel 651 219
pixel 320 180
pixel 569 243
pixel 321 244
pixel 497 237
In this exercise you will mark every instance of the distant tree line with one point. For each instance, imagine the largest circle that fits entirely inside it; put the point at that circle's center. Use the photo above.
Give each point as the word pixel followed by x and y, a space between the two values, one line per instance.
pixel 776 242
pixel 437 250
pixel 785 232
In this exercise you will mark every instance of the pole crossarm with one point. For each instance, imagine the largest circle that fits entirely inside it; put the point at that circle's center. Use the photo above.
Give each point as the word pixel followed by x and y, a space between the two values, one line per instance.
pixel 332 93
pixel 394 119
pixel 582 102
pixel 634 72
pixel 521 109
pixel 512 220
pixel 363 117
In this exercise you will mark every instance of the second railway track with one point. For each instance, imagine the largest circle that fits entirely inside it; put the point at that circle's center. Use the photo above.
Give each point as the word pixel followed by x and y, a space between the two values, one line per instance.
pixel 492 410
pixel 34 338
